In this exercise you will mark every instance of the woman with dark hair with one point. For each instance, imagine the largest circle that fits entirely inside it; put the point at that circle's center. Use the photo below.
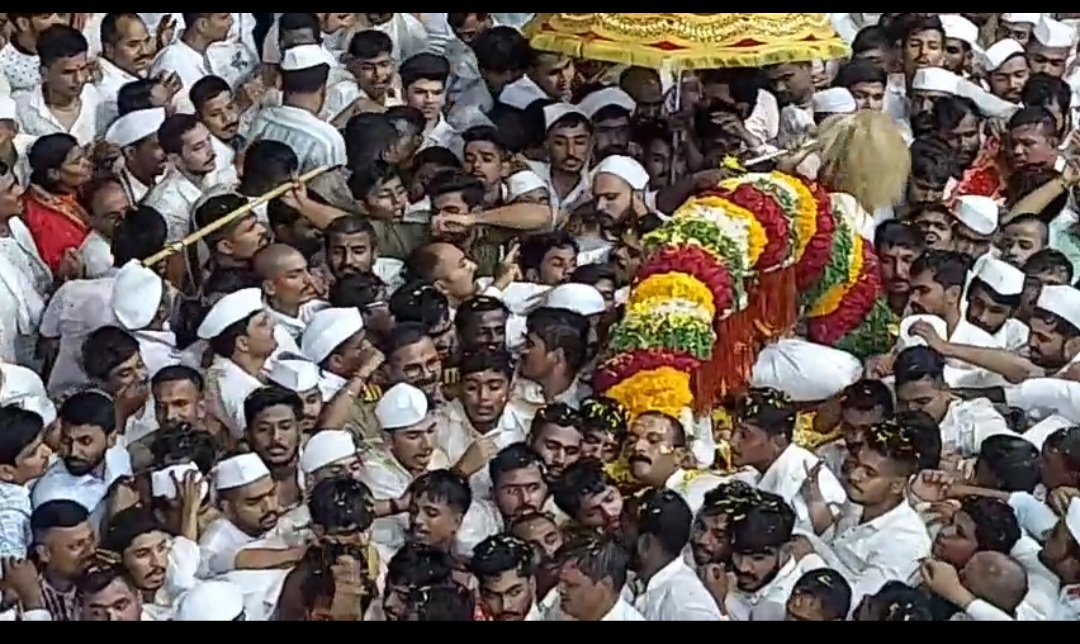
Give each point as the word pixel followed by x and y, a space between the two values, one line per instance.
pixel 56 219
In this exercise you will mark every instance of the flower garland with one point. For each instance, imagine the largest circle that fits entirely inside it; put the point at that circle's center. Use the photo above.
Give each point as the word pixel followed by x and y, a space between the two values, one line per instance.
pixel 771 216
pixel 818 252
pixel 837 270
pixel 804 212
pixel 861 323
pixel 665 390
pixel 829 301
pixel 691 260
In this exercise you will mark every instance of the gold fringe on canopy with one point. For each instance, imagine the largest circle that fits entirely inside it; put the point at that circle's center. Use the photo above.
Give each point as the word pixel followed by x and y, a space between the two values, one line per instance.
pixel 688 41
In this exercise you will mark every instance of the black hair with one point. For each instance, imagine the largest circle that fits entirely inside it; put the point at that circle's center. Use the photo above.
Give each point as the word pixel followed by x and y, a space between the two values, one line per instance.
pixel 502 50
pixel 19 429
pixel 264 398
pixel 996 526
pixel 481 361
pixel 925 435
pixel 342 504
pixel 367 178
pixel 829 589
pixel 127 526
pixel 476 308
pixel 919 363
pixel 501 554
pixel 769 410
pixel 90 409
pixel 857 72
pixel 1049 260
pixel 184 444
pixel 1034 115
pixel 138 236
pixel 598 558
pixel 512 458
pixel 665 516
pixel 933 161
pixel 370 44
pixel 1044 90
pixel 443 486
pixel 450 602
pixel 419 566
pixel 59 42
pixel 453 181
pixel 51 515
pixel 765 526
pixel 536 248
pixel 206 89
pixel 562 330
pixel 105 350
pixel 579 480
pixel 1012 461
pixel 872 37
pixel 420 302
pixel 358 291
pixel 428 67
pixel 136 95
pixel 868 396
pixel 946 268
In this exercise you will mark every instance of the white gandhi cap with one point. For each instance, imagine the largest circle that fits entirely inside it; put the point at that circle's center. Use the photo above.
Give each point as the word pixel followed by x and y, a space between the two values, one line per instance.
pixel 1003 278
pixel 960 28
pixel 300 376
pixel 328 330
pixel 1055 34
pixel 1022 18
pixel 592 104
pixel 557 112
pixel 835 100
pixel 239 471
pixel 305 57
pixel 401 407
pixel 579 298
pixel 211 601
pixel 1000 53
pixel 135 126
pixel 233 308
pixel 326 448
pixel 908 340
pixel 936 79
pixel 136 296
pixel 522 183
pixel 980 214
pixel 163 485
pixel 1062 301
pixel 627 169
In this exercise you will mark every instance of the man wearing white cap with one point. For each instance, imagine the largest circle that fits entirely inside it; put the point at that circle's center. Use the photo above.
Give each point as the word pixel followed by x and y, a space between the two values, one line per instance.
pixel 250 512
pixel 569 143
pixel 304 73
pixel 212 601
pixel 927 86
pixel 135 134
pixel 977 220
pixel 335 341
pixel 142 303
pixel 409 427
pixel 329 454
pixel 527 187
pixel 1017 26
pixel 1051 46
pixel 301 377
pixel 993 299
pixel 961 43
pixel 610 110
pixel 1007 68
pixel 619 184
pixel 832 101
pixel 241 334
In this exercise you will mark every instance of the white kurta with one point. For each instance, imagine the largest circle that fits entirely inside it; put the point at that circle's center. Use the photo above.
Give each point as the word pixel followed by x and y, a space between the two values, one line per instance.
pixel 315 141
pixel 675 594
pixel 227 387
pixel 456 435
pixel 769 604
pixel 76 310
pixel 970 422
pixel 786 477
pixel 88 491
pixel 36 119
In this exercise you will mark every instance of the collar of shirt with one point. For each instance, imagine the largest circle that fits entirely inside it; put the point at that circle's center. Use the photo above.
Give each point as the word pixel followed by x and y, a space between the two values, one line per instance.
pixel 850 525
pixel 110 69
pixel 754 598
pixel 88 490
pixel 136 189
pixel 578 193
pixel 440 132
pixel 330 384
pixel 84 128
pixel 666 574
pixel 533 393
pixel 622 611
pixel 175 179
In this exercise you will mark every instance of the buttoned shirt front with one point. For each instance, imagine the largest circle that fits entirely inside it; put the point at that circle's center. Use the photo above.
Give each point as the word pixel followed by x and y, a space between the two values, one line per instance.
pixel 36 119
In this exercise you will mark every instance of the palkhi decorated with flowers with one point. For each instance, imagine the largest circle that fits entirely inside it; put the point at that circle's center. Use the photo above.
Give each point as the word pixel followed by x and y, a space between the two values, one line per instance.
pixel 737 267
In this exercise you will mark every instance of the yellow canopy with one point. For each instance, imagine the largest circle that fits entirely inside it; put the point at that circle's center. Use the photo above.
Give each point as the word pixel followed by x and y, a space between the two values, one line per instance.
pixel 688 41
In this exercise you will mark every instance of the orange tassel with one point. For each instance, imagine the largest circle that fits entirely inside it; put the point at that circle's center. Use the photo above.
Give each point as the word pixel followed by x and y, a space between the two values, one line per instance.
pixel 775 302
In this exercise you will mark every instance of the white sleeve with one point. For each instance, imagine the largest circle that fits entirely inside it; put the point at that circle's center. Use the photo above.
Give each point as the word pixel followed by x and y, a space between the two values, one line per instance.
pixel 1035 517
pixel 1051 395
pixel 980 611
pixel 40 615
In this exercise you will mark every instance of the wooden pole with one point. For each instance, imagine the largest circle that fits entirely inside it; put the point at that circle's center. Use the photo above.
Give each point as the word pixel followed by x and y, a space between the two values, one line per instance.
pixel 232 217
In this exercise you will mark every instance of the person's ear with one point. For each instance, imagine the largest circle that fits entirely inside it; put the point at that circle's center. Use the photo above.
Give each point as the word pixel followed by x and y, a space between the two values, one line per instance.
pixel 7 474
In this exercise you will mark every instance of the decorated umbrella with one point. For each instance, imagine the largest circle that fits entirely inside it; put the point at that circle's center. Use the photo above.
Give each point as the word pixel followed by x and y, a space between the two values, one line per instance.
pixel 680 42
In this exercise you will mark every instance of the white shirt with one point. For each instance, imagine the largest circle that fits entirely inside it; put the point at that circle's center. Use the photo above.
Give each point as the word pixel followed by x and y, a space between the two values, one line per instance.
pixel 786 477
pixel 76 310
pixel 22 71
pixel 175 198
pixel 24 279
pixel 675 594
pixel 407 33
pixel 89 490
pixel 623 612
pixel 219 545
pixel 388 480
pixel 235 59
pixel 693 485
pixel 869 555
pixel 36 119
pixel 970 422
pixel 295 326
pixel 108 88
pixel 443 135
pixel 579 193
pixel 136 190
pixel 158 350
pixel 1044 397
pixel 456 435
pixel 315 141
pixel 189 65
pixel 769 604
pixel 796 124
pixel 527 397
pixel 227 387
pixel 97 257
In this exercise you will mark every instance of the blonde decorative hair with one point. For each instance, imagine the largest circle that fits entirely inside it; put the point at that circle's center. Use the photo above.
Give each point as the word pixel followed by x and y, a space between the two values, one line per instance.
pixel 864 155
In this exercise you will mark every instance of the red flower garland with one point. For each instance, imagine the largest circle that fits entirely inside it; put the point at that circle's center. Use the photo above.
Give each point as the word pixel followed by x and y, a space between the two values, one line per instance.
pixel 857 305
pixel 819 251
pixel 698 263
pixel 983 178
pixel 627 365
pixel 770 214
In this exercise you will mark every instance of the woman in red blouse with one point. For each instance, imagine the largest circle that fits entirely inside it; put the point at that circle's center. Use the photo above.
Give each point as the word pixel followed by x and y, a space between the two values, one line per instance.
pixel 57 221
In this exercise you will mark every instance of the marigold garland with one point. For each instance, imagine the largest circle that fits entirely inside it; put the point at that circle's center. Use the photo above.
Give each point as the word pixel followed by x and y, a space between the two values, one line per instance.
pixel 663 390
pixel 722 278
pixel 674 285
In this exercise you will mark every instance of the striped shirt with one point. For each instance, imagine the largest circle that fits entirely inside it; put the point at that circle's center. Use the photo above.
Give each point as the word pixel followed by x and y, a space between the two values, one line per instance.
pixel 63 606
pixel 315 141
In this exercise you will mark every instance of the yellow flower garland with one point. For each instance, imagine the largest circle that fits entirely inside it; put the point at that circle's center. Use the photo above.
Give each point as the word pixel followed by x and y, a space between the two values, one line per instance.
pixel 806 218
pixel 664 390
pixel 673 286
pixel 831 300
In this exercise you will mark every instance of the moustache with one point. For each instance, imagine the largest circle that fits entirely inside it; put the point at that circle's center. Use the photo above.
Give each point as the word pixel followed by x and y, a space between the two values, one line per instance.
pixel 639 458
pixel 232 126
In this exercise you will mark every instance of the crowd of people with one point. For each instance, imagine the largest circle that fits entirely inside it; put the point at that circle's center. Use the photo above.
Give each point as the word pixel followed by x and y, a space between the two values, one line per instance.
pixel 371 396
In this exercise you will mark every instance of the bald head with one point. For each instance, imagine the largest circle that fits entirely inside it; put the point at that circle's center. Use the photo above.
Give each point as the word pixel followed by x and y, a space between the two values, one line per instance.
pixel 276 259
pixel 997 579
